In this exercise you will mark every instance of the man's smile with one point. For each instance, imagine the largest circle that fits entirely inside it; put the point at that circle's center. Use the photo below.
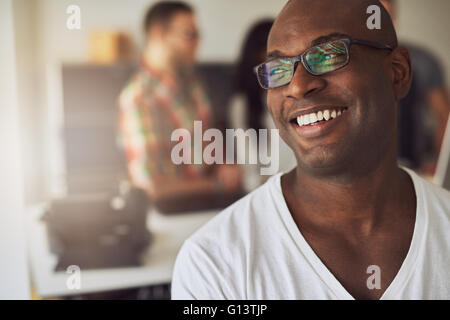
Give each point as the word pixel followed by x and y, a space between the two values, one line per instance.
pixel 316 122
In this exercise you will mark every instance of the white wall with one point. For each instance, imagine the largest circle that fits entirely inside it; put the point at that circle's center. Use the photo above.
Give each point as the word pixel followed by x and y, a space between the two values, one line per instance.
pixel 31 87
pixel 14 282
pixel 223 24
pixel 427 22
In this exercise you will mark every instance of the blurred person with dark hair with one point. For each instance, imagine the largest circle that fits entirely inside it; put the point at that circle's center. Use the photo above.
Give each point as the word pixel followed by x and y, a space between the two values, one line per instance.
pixel 163 96
pixel 253 53
pixel 248 108
pixel 424 112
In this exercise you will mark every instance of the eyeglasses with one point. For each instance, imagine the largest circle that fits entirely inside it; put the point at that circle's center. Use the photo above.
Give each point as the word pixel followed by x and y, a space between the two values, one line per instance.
pixel 318 60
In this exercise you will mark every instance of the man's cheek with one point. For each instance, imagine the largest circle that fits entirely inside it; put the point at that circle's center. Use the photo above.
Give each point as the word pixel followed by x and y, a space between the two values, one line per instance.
pixel 273 106
pixel 270 106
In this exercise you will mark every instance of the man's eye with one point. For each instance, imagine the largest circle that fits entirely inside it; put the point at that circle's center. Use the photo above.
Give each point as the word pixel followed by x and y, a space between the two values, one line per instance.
pixel 278 70
pixel 314 58
pixel 319 58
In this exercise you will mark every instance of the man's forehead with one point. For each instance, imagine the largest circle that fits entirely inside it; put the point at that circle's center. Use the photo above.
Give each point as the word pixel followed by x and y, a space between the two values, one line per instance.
pixel 302 22
pixel 294 35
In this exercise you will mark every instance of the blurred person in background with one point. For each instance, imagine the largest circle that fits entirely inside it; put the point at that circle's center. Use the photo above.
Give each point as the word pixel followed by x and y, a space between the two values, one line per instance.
pixel 163 96
pixel 248 108
pixel 424 112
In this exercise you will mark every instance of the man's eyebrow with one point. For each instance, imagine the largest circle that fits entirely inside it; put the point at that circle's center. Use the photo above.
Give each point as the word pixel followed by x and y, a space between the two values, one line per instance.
pixel 329 37
pixel 315 42
pixel 274 54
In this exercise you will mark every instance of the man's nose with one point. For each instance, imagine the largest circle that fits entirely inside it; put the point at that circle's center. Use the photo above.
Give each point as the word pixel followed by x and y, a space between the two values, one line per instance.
pixel 304 84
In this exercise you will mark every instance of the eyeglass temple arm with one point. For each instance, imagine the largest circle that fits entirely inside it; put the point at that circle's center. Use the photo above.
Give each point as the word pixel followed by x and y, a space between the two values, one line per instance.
pixel 373 44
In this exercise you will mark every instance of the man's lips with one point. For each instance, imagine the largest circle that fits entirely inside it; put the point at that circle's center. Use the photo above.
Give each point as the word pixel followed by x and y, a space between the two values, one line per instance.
pixel 317 121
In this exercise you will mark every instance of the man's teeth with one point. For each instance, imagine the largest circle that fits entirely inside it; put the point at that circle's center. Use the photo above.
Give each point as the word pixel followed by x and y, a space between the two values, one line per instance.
pixel 333 114
pixel 312 118
pixel 320 115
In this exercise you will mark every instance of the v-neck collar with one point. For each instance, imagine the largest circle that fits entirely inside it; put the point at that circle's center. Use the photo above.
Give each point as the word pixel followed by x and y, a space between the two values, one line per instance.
pixel 406 269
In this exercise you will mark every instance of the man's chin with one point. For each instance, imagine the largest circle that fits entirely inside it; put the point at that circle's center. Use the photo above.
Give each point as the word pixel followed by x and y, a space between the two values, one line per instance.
pixel 323 163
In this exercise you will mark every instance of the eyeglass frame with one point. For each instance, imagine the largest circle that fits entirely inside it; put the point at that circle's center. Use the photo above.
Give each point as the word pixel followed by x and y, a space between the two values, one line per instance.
pixel 300 58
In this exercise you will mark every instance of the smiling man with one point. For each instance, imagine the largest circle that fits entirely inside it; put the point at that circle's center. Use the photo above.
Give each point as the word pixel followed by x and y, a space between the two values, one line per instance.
pixel 347 222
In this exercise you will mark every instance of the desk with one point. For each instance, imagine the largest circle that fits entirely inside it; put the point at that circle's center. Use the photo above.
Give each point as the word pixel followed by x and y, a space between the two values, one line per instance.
pixel 168 234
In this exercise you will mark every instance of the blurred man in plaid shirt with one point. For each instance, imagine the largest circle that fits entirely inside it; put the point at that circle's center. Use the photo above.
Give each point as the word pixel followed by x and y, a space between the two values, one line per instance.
pixel 163 96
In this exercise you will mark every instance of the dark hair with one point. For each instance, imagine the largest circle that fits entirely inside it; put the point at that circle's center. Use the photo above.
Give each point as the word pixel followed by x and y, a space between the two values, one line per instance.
pixel 162 12
pixel 246 82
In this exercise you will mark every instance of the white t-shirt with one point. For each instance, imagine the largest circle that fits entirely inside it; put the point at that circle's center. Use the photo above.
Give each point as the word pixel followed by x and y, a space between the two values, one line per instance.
pixel 254 250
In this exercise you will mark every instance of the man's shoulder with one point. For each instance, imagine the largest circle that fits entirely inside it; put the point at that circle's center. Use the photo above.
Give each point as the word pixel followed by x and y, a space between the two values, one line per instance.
pixel 132 88
pixel 440 194
pixel 238 221
pixel 213 262
pixel 141 84
pixel 435 197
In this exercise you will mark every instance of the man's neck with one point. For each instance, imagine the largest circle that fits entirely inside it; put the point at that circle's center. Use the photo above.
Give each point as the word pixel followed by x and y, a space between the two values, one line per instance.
pixel 358 203
pixel 157 58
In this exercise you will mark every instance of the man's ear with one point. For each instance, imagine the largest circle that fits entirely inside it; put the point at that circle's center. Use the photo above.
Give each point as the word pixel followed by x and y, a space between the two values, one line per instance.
pixel 401 72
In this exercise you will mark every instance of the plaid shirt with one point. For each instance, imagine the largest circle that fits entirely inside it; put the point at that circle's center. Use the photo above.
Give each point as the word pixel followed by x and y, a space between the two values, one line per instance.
pixel 152 106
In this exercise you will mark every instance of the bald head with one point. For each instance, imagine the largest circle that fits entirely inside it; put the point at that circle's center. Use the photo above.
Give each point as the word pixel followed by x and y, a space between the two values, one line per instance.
pixel 368 87
pixel 335 16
